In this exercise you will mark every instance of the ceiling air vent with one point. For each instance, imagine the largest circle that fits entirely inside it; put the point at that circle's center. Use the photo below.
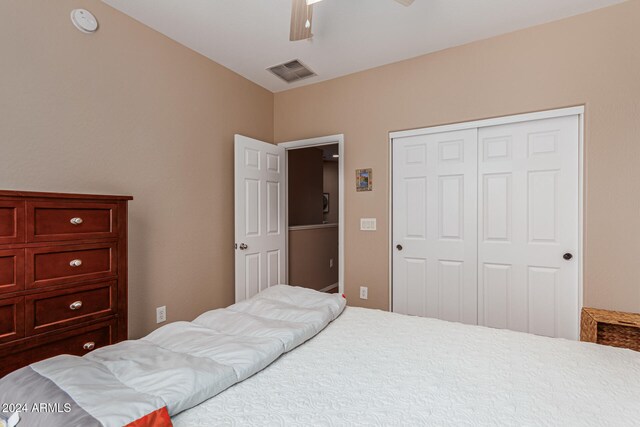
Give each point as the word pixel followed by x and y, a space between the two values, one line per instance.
pixel 292 71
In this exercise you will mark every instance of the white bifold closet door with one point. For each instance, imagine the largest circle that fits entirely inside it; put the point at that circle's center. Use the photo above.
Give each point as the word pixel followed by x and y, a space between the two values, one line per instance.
pixel 528 220
pixel 434 226
pixel 486 226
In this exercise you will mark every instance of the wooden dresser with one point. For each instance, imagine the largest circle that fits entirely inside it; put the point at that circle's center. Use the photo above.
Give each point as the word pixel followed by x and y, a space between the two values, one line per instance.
pixel 63 275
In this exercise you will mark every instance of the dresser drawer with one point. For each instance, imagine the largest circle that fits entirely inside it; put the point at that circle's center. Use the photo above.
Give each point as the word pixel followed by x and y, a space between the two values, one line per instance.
pixel 56 221
pixel 11 270
pixel 11 319
pixel 78 342
pixel 57 309
pixel 57 265
pixel 12 225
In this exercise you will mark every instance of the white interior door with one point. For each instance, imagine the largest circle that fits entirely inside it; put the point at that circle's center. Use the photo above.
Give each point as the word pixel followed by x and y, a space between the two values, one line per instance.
pixel 435 225
pixel 260 233
pixel 529 223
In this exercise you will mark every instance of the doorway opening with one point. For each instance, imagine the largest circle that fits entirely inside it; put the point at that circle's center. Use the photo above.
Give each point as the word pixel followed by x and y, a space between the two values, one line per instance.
pixel 314 213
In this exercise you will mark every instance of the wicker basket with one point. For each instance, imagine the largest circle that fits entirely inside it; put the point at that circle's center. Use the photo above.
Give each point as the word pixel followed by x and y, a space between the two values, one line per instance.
pixel 612 328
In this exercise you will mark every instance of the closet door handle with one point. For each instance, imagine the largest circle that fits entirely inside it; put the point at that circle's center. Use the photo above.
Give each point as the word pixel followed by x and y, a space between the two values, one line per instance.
pixel 399 247
pixel 567 256
pixel 243 246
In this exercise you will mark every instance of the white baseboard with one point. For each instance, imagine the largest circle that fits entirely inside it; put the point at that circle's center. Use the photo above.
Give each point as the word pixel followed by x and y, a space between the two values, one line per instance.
pixel 329 288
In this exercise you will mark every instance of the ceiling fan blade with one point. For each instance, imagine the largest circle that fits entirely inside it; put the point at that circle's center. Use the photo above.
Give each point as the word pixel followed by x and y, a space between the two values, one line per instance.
pixel 301 19
pixel 405 2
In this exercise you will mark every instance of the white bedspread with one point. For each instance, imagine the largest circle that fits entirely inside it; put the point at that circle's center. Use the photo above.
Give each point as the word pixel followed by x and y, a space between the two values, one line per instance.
pixel 376 368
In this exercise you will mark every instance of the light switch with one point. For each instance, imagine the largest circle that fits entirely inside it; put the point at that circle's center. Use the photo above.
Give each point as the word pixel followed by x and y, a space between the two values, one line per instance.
pixel 368 224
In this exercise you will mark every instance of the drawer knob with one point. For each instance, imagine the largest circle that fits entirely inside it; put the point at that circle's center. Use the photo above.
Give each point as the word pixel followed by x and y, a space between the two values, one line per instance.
pixel 76 263
pixel 89 345
pixel 76 305
pixel 76 221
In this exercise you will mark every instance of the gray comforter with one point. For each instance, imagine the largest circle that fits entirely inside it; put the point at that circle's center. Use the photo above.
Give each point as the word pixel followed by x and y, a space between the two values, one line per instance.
pixel 144 382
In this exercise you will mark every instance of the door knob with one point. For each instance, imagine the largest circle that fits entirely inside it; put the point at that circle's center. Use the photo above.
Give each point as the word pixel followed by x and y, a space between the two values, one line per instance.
pixel 567 256
pixel 243 246
pixel 399 247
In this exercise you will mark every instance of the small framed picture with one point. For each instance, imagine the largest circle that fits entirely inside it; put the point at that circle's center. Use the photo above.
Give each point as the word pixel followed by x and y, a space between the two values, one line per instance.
pixel 364 179
pixel 325 202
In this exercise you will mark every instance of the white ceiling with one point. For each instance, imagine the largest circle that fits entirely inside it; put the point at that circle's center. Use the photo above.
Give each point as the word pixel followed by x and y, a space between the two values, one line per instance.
pixel 248 36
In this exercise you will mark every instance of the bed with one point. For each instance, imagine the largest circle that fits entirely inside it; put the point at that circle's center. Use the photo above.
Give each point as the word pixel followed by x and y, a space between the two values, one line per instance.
pixel 298 357
pixel 370 367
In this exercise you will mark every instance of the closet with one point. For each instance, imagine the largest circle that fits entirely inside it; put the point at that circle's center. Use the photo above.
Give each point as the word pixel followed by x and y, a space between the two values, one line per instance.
pixel 487 225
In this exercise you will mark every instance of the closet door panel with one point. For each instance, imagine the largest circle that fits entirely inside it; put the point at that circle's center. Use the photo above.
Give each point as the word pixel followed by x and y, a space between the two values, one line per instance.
pixel 410 262
pixel 528 219
pixel 435 226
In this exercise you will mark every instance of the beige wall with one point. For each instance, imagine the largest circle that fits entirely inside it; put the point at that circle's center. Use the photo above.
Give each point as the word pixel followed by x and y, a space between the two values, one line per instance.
pixel 593 59
pixel 309 255
pixel 330 183
pixel 128 111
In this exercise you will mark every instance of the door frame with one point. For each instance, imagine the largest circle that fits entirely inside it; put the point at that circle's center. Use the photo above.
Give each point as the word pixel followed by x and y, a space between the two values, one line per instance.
pixel 316 142
pixel 578 110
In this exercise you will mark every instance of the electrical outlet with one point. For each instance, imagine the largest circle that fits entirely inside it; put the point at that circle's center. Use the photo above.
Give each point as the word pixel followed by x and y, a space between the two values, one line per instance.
pixel 364 292
pixel 161 314
pixel 331 263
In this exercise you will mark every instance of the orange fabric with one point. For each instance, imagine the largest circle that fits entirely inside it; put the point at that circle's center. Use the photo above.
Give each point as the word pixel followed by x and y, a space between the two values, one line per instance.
pixel 158 418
